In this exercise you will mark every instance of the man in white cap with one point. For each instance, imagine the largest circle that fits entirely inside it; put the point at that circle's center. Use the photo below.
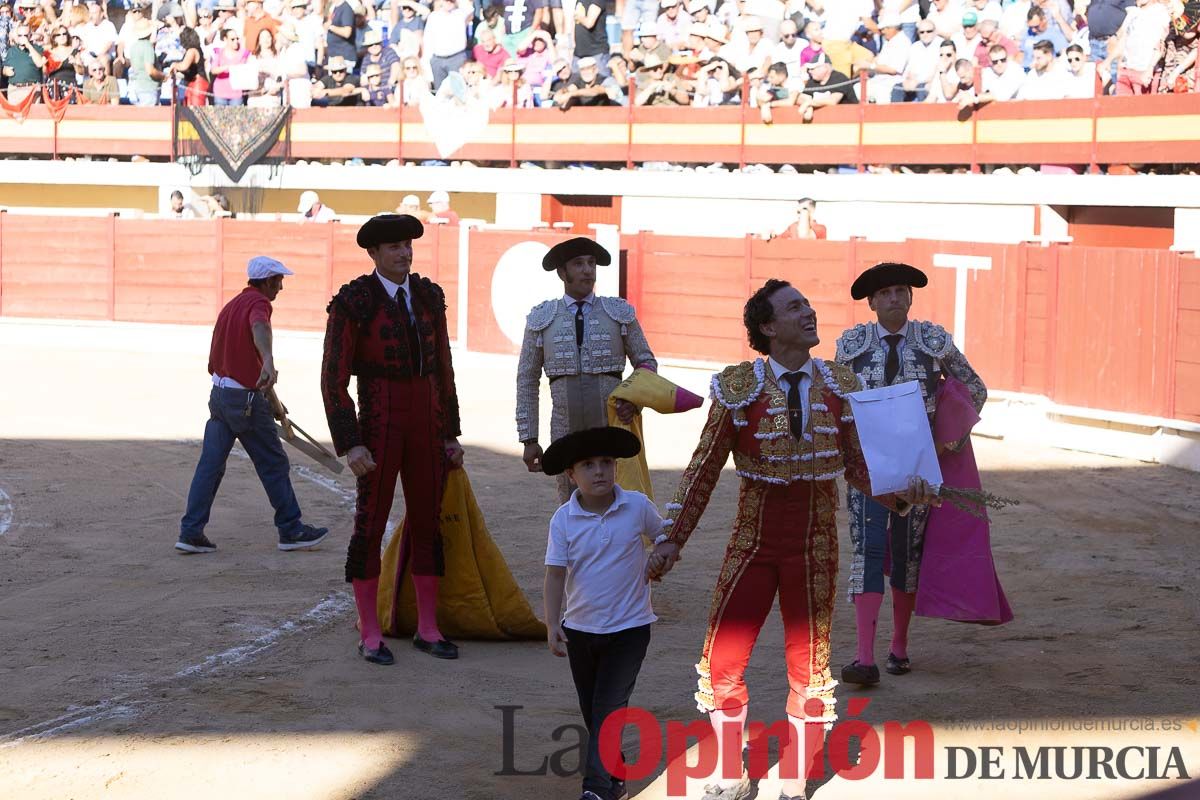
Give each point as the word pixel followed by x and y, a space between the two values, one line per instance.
pixel 439 209
pixel 313 209
pixel 648 42
pixel 887 68
pixel 242 367
pixel 673 24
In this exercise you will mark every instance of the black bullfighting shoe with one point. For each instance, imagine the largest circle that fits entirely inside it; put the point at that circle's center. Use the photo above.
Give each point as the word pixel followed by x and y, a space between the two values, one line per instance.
pixel 897 666
pixel 381 655
pixel 442 648
pixel 857 673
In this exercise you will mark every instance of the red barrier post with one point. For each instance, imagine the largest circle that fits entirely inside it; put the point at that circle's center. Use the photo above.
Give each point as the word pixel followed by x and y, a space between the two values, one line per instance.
pixel 112 267
pixel 220 258
pixel 742 120
pixel 977 87
pixel 860 155
pixel 400 127
pixel 629 122
pixel 1094 163
pixel 3 216
pixel 512 129
pixel 174 120
pixel 329 260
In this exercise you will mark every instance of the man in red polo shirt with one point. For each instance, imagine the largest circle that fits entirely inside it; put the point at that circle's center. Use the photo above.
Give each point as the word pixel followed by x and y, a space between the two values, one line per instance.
pixel 805 226
pixel 243 368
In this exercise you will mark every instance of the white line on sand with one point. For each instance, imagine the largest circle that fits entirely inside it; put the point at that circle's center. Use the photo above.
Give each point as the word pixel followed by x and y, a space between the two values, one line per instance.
pixel 128 705
pixel 6 512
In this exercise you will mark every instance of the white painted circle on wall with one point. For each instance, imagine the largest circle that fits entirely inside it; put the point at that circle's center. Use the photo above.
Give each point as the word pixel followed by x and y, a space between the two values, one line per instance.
pixel 518 284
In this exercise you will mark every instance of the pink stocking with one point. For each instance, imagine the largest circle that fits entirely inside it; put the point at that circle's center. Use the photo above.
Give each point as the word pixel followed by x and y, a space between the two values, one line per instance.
pixel 427 593
pixel 866 613
pixel 903 604
pixel 365 593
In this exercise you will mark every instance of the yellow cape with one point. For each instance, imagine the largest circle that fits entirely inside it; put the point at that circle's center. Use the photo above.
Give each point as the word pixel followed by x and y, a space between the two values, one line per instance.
pixel 478 597
pixel 645 389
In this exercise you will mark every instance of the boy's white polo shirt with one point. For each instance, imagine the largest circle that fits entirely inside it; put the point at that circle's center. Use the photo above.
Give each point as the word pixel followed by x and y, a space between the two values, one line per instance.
pixel 605 559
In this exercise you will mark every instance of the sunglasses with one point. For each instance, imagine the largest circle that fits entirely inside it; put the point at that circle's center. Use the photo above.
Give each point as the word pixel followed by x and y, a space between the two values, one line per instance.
pixel 1075 59
pixel 337 72
pixel 788 35
pixel 412 69
pixel 924 31
pixel 999 60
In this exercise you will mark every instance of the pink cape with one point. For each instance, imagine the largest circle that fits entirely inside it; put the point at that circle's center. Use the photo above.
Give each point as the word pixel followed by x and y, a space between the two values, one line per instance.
pixel 958 577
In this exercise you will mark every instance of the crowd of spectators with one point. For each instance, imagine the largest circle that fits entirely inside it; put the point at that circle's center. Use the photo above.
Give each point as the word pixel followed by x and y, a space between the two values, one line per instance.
pixel 801 54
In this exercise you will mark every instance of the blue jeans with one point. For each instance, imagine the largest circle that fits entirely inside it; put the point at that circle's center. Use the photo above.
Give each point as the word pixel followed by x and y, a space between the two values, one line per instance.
pixel 228 422
pixel 441 66
pixel 877 522
pixel 227 101
pixel 144 97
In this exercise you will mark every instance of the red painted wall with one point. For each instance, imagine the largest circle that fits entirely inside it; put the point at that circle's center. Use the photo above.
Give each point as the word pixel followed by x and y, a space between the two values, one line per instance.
pixel 1101 327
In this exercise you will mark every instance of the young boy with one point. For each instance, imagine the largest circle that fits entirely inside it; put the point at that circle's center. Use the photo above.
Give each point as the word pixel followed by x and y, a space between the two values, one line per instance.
pixel 597 591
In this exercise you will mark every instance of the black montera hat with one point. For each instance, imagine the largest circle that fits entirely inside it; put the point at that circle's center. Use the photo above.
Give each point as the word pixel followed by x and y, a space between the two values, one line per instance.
pixel 575 447
pixel 563 252
pixel 884 275
pixel 386 228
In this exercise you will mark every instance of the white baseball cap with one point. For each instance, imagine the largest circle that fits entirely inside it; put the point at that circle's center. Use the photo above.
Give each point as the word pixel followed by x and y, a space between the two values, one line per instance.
pixel 410 200
pixel 307 201
pixel 264 267
pixel 439 197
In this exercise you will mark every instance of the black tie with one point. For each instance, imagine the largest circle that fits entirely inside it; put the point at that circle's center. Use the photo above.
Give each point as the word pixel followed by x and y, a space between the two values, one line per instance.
pixel 410 330
pixel 795 409
pixel 579 323
pixel 891 367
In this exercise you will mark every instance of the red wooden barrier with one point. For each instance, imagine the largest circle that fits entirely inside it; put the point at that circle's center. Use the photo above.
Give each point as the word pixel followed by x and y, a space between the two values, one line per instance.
pixel 1098 327
pixel 1102 130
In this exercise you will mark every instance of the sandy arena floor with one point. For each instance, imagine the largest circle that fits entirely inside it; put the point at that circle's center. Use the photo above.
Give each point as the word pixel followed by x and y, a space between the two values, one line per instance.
pixel 129 671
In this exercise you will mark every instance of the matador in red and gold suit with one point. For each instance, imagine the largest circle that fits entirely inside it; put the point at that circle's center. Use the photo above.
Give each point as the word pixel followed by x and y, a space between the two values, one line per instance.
pixel 388 328
pixel 792 435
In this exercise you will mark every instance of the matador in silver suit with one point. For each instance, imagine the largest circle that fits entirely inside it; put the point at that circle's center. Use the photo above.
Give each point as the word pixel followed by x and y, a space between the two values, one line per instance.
pixel 582 342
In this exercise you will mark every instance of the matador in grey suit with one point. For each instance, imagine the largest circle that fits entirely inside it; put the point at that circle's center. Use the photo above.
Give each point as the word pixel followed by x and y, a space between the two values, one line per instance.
pixel 890 351
pixel 582 342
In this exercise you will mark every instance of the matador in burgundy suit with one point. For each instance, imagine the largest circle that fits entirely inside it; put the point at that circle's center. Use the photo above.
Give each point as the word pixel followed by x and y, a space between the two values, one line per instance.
pixel 388 329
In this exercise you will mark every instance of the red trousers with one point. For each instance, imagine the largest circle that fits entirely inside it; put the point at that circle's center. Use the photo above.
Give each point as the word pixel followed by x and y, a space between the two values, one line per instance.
pixel 785 542
pixel 398 421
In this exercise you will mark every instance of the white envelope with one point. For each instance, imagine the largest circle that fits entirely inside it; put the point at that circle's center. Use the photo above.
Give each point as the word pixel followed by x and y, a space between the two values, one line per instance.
pixel 896 440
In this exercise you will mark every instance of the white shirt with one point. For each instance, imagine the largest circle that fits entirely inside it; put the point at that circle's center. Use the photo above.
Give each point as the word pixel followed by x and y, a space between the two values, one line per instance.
pixel 790 56
pixel 324 213
pixel 1083 85
pixel 902 333
pixel 806 379
pixel 1145 29
pixel 964 47
pixel 1006 86
pixel 843 17
pixel 605 557
pixel 1048 85
pixel 922 59
pixel 893 54
pixel 391 287
pixel 1014 19
pixel 912 14
pixel 588 302
pixel 99 39
pixel 948 22
pixel 226 383
pixel 446 32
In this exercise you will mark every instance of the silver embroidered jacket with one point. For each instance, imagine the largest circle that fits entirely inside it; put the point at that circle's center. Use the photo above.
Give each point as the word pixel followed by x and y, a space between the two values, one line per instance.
pixel 928 351
pixel 581 378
